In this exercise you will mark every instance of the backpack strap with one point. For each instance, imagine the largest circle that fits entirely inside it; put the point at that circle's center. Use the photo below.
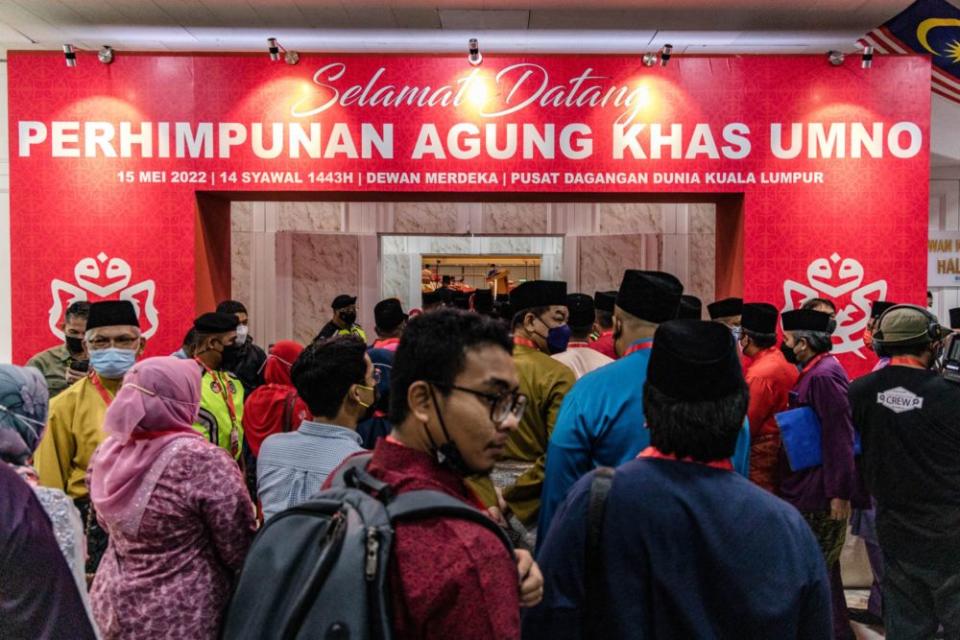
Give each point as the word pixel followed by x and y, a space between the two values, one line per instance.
pixel 426 503
pixel 353 474
pixel 594 570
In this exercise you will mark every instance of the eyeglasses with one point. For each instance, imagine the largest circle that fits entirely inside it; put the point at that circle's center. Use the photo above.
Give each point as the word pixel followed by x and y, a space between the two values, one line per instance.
pixel 501 404
pixel 121 342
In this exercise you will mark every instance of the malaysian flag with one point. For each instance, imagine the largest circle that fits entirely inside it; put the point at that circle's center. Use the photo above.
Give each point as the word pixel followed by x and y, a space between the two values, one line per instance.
pixel 926 26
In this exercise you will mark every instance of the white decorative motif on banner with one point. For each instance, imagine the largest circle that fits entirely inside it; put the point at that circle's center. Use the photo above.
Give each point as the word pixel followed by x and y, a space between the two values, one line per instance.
pixel 845 288
pixel 99 279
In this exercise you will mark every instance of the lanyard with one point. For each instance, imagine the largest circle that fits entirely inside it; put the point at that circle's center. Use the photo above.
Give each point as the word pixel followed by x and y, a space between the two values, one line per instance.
pixel 227 394
pixel 639 346
pixel 525 342
pixel 95 381
pixel 908 361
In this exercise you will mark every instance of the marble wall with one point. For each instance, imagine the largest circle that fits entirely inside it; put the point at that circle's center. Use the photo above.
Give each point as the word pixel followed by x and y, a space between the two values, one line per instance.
pixel 326 246
pixel 323 266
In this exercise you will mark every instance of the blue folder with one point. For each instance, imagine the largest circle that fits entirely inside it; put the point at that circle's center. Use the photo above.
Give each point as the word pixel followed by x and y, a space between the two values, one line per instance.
pixel 800 434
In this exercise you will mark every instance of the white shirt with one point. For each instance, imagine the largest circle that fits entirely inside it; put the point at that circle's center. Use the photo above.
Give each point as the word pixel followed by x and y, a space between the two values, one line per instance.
pixel 582 359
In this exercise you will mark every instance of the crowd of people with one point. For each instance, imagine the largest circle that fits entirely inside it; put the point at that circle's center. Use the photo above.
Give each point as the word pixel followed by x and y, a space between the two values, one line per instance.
pixel 649 474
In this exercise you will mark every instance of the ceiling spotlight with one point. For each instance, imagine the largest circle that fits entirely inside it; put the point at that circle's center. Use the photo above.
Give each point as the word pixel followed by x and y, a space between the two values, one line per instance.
pixel 866 60
pixel 649 59
pixel 274 48
pixel 473 52
pixel 665 54
pixel 105 55
pixel 835 58
pixel 69 55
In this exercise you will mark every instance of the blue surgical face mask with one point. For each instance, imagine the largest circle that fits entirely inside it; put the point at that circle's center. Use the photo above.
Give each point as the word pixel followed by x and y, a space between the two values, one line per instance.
pixel 112 362
pixel 558 338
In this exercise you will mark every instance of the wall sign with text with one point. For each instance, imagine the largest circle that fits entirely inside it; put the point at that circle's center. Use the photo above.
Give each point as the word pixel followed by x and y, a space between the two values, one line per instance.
pixel 109 158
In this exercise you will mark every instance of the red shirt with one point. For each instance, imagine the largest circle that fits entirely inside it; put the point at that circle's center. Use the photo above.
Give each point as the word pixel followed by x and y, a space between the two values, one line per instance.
pixel 449 578
pixel 604 344
pixel 770 379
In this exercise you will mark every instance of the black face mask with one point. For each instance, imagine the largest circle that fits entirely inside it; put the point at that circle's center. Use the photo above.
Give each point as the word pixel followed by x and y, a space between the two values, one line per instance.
pixel 789 354
pixel 231 357
pixel 348 318
pixel 447 454
pixel 74 345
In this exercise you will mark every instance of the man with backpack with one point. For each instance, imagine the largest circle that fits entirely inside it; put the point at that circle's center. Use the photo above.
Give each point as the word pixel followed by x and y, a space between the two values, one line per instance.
pixel 674 544
pixel 397 546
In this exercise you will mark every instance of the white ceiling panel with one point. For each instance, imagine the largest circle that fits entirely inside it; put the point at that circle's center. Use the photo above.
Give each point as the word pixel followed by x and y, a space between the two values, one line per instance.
pixel 245 24
pixel 457 19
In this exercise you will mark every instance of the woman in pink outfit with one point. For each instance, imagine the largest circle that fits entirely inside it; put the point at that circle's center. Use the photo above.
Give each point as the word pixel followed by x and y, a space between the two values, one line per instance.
pixel 175 506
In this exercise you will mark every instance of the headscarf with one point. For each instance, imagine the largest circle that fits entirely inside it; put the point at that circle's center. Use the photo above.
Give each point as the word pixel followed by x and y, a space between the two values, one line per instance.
pixel 154 409
pixel 264 412
pixel 23 412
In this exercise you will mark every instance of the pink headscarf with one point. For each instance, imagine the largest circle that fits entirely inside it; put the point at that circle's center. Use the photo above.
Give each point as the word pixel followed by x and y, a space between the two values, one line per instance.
pixel 154 409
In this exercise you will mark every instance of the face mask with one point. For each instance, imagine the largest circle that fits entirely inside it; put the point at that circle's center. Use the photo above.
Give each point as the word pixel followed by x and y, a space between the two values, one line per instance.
pixel 231 357
pixel 557 337
pixel 74 345
pixel 349 318
pixel 789 354
pixel 112 362
pixel 242 332
pixel 447 454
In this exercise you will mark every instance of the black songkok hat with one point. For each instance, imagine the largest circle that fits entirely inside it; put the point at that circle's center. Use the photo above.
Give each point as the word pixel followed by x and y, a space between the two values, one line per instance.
pixel 694 360
pixel 430 297
pixel 343 300
pixel 605 300
pixel 725 308
pixel 759 317
pixel 483 301
pixel 954 318
pixel 112 313
pixel 581 309
pixel 653 296
pixel 388 314
pixel 879 307
pixel 216 323
pixel 690 308
pixel 538 293
pixel 806 320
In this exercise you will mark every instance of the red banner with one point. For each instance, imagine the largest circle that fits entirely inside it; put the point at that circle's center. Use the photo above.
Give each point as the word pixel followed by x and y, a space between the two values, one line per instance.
pixel 107 161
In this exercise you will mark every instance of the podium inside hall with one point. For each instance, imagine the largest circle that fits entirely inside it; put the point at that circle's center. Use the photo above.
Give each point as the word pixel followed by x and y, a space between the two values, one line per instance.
pixel 500 281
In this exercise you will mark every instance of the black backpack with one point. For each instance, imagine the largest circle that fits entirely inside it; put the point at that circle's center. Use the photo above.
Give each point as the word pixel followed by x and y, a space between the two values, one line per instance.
pixel 319 569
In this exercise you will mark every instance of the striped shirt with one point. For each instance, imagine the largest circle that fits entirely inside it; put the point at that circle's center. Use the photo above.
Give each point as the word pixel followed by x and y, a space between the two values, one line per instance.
pixel 292 467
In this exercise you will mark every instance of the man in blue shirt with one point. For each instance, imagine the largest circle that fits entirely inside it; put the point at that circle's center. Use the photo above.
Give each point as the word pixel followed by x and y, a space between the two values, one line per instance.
pixel 679 546
pixel 601 422
pixel 337 380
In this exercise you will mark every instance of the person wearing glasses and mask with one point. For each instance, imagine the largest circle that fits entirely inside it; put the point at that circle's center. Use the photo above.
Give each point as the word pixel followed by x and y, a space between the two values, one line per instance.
pixel 75 428
pixel 337 380
pixel 454 401
pixel 220 419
